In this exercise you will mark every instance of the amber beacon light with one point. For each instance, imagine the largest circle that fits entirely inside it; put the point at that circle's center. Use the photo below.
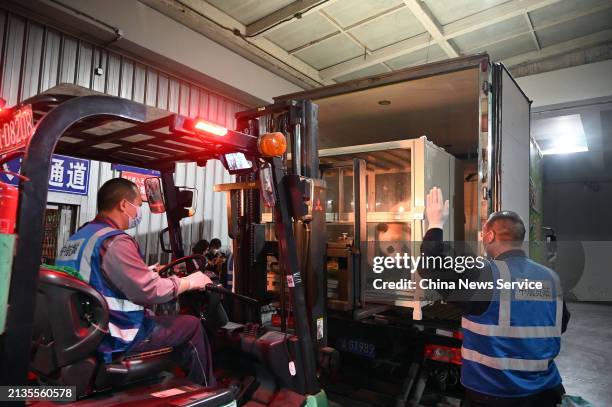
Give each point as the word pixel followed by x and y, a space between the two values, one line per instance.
pixel 272 144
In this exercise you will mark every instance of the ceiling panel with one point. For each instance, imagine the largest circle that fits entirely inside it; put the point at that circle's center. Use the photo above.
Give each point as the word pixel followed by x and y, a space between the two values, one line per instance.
pixel 447 11
pixel 562 10
pixel 506 49
pixel 377 24
pixel 248 11
pixel 576 28
pixel 492 33
pixel 349 12
pixel 329 52
pixel 388 29
pixel 300 32
pixel 362 73
pixel 430 54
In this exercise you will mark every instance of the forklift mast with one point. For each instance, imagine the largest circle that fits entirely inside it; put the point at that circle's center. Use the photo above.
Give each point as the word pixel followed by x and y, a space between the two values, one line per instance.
pixel 298 121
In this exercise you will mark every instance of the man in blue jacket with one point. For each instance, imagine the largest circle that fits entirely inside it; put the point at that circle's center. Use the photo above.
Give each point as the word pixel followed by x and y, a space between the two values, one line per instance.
pixel 111 262
pixel 510 336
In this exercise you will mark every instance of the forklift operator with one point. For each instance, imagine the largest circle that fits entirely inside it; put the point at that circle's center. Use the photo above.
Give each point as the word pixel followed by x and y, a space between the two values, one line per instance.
pixel 110 261
pixel 510 338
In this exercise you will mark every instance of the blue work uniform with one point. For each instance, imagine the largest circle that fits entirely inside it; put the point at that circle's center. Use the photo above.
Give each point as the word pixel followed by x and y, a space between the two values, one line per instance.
pixel 83 252
pixel 509 350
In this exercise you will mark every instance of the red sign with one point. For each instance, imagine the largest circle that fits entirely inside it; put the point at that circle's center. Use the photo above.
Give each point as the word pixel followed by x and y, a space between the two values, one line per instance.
pixel 137 179
pixel 17 130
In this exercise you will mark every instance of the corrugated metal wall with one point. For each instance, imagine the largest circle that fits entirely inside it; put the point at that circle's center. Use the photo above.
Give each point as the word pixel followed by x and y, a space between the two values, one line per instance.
pixel 35 58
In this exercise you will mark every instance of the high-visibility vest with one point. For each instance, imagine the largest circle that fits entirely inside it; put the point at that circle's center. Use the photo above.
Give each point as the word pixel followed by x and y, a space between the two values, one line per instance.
pixel 508 351
pixel 82 252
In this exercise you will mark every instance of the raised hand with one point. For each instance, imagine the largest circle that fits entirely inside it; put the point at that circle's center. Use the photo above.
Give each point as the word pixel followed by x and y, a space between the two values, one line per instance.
pixel 436 209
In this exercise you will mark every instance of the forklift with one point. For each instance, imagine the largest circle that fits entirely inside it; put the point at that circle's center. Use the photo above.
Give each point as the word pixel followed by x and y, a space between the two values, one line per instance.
pixel 52 322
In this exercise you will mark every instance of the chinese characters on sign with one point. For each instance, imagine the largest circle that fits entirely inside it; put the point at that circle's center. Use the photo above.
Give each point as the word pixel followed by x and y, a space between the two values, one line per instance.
pixel 66 174
pixel 137 175
pixel 137 179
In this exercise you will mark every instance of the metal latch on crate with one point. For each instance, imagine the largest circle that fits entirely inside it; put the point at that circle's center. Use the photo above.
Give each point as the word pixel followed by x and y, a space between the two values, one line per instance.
pixel 418 213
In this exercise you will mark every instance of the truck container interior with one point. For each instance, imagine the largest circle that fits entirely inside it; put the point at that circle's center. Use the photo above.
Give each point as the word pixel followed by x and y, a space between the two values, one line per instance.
pixel 382 125
pixel 444 108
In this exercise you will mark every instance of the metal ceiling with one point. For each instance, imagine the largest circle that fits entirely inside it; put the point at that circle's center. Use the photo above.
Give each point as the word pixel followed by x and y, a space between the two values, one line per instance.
pixel 330 41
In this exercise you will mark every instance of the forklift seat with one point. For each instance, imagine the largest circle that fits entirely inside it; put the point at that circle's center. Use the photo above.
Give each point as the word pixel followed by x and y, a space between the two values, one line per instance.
pixel 71 319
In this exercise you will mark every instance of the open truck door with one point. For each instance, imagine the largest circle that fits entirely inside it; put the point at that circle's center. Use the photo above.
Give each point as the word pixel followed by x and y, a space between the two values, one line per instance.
pixel 509 152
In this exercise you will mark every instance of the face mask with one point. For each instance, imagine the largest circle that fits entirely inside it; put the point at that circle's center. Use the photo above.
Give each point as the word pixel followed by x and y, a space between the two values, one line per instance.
pixel 135 221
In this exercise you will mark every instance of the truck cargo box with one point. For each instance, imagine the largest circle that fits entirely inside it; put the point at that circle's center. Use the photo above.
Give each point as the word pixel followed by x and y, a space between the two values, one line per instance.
pixel 470 108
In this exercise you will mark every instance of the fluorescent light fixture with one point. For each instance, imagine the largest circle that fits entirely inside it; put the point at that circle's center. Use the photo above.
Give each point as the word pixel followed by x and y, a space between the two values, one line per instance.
pixel 560 135
pixel 565 150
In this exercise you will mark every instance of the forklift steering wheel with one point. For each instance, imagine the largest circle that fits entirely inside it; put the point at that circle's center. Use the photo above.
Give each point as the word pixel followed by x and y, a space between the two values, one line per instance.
pixel 168 269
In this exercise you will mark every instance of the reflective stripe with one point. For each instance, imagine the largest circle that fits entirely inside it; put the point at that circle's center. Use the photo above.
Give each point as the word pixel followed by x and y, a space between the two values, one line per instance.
pixel 526 365
pixel 117 304
pixel 126 335
pixel 85 266
pixel 511 331
pixel 558 295
pixel 504 295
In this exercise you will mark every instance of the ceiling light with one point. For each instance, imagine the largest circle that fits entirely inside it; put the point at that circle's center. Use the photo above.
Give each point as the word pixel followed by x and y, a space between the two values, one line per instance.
pixel 560 135
pixel 384 102
pixel 565 150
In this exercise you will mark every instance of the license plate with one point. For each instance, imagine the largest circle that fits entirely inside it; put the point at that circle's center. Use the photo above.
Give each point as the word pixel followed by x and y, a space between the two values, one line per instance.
pixel 358 347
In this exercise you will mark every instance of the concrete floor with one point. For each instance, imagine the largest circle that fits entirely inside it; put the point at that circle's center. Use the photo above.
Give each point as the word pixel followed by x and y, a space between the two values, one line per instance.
pixel 585 361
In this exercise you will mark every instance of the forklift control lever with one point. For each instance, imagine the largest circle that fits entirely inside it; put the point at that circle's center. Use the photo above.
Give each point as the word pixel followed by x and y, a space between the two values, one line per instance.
pixel 219 289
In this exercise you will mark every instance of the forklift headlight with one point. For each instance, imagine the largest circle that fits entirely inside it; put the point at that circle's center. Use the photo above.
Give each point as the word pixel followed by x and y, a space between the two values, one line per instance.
pixel 272 144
